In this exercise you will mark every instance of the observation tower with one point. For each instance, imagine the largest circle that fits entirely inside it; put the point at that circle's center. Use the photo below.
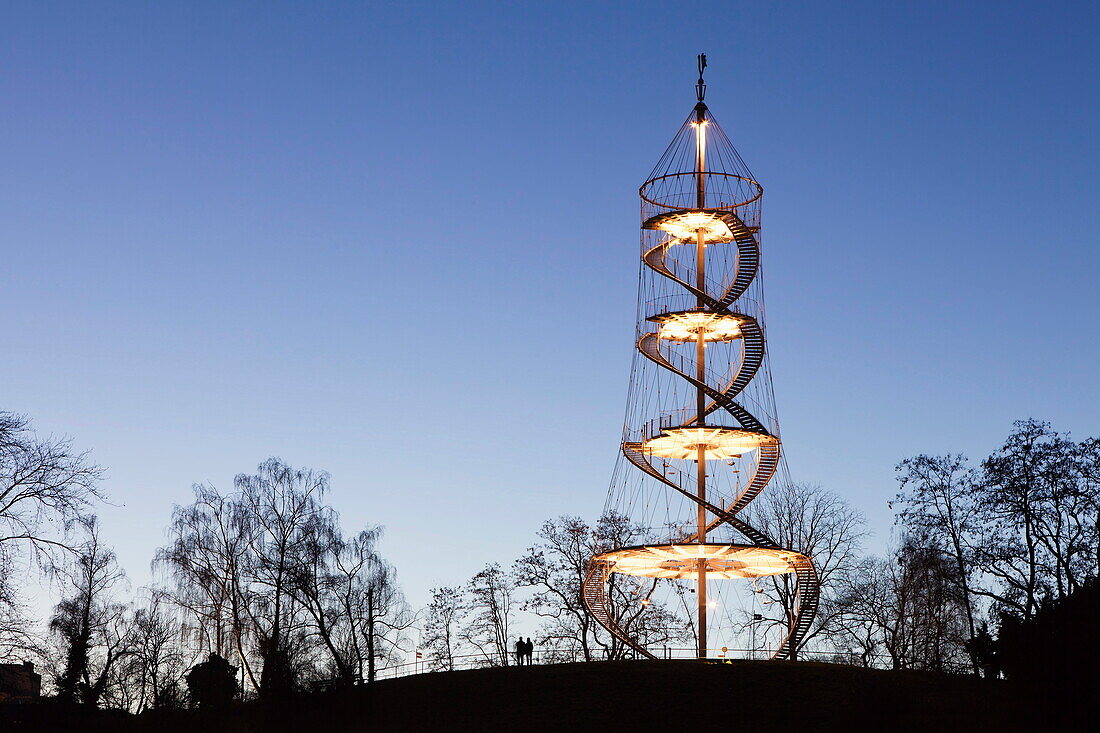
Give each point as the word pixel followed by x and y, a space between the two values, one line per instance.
pixel 701 438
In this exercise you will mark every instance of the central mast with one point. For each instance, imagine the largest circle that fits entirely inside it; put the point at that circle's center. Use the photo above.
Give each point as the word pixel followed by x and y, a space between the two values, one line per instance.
pixel 700 353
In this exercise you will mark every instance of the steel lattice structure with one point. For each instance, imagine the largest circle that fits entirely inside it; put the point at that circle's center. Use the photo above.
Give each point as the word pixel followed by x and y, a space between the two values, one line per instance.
pixel 701 429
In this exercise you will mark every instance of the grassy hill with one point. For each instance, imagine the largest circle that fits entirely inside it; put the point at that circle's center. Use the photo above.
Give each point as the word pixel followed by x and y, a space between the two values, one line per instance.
pixel 615 696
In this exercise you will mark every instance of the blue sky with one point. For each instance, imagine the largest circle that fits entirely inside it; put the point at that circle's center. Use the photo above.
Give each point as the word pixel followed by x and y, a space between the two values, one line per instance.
pixel 399 242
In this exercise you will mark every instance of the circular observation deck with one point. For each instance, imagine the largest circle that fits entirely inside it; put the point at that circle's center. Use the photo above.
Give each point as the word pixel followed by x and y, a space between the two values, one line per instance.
pixel 682 561
pixel 717 227
pixel 718 443
pixel 687 325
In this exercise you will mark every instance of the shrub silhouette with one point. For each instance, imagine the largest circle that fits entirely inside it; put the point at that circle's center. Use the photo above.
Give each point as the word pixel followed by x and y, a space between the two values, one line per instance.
pixel 212 683
pixel 1054 654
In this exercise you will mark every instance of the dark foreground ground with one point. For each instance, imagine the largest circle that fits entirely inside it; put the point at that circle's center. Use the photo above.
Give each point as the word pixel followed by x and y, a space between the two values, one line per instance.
pixel 610 696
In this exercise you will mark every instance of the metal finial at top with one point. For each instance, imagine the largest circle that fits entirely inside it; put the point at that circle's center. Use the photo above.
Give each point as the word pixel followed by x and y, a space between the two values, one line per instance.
pixel 700 86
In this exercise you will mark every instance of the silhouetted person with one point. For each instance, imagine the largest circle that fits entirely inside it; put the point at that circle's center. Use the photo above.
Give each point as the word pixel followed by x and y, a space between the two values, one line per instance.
pixel 520 649
pixel 528 649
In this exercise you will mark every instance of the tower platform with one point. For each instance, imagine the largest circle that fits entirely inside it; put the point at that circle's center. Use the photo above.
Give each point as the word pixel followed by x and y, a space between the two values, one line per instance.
pixel 686 325
pixel 719 443
pixel 721 561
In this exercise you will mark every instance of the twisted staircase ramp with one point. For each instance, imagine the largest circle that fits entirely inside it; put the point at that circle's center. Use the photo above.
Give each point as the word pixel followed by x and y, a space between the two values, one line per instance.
pixel 649 346
pixel 807 596
pixel 634 454
pixel 768 456
pixel 767 463
pixel 765 468
pixel 752 338
pixel 748 258
pixel 594 592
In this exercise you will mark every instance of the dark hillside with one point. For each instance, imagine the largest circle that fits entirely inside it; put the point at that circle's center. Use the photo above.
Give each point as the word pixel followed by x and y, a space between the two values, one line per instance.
pixel 620 696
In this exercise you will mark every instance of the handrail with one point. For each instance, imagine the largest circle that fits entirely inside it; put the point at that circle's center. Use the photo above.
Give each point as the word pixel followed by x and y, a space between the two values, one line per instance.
pixel 553 656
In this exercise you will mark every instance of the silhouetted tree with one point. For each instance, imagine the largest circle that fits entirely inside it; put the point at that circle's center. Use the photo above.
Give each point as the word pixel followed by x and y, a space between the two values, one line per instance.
pixel 45 487
pixel 937 501
pixel 982 648
pixel 492 605
pixel 385 616
pixel 93 628
pixel 443 621
pixel 1052 655
pixel 817 523
pixel 207 561
pixel 282 504
pixel 213 683
pixel 908 607
pixel 17 632
pixel 1035 536
pixel 555 569
pixel 1088 467
pixel 353 598
pixel 265 573
pixel 155 670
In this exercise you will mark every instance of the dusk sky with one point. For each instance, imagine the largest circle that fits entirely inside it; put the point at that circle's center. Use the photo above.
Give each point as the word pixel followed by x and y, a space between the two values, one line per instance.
pixel 399 242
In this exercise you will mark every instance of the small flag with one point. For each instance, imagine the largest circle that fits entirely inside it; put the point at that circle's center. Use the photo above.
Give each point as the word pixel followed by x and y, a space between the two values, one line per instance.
pixel 419 655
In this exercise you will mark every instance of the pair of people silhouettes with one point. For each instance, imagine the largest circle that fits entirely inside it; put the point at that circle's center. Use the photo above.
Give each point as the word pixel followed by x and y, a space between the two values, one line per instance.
pixel 524 651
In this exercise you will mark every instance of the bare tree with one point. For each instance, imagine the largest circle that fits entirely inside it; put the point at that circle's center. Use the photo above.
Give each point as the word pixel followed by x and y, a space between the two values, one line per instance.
pixel 554 569
pixel 866 596
pixel 937 503
pixel 206 559
pixel 92 626
pixel 385 615
pixel 324 592
pixel 443 621
pixel 46 488
pixel 17 633
pixel 1034 539
pixel 1088 465
pixel 352 595
pixel 281 503
pixel 908 607
pixel 159 662
pixel 267 574
pixel 817 523
pixel 492 604
pixel 636 607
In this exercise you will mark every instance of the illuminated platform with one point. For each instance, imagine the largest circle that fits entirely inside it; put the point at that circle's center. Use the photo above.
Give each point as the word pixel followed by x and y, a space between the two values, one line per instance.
pixel 718 443
pixel 686 325
pixel 682 561
pixel 717 227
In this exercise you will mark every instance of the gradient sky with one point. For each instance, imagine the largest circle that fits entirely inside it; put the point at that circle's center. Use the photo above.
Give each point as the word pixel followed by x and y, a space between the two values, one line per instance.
pixel 399 242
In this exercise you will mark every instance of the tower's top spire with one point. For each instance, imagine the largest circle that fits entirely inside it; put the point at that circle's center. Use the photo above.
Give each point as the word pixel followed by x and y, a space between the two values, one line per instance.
pixel 700 86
